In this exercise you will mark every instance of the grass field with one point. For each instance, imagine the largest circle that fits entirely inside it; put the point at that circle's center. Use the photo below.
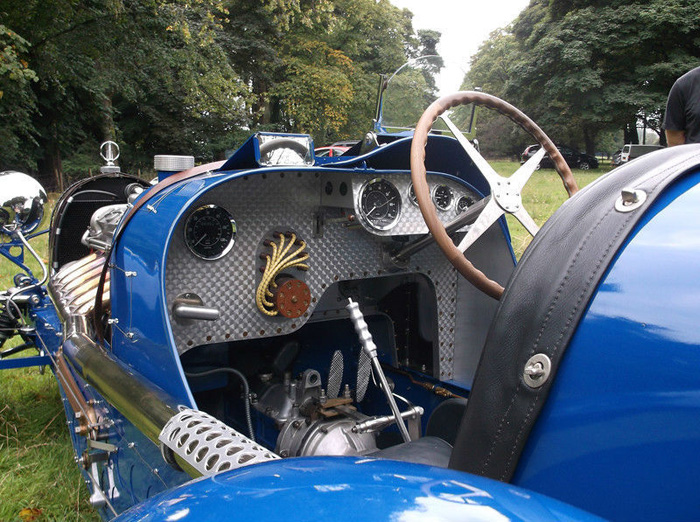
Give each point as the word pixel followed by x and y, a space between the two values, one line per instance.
pixel 38 478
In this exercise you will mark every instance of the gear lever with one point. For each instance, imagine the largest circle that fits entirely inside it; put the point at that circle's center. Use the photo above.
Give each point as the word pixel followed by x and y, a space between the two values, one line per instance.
pixel 358 321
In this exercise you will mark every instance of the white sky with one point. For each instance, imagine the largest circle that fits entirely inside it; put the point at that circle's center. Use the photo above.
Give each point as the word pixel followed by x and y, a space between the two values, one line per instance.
pixel 464 25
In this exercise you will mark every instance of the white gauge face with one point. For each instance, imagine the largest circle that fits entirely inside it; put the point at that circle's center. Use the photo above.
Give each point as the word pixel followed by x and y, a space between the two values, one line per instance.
pixel 443 197
pixel 379 204
pixel 210 232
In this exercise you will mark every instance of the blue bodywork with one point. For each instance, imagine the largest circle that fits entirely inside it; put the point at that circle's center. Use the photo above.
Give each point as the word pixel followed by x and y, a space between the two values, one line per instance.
pixel 351 489
pixel 617 437
pixel 627 398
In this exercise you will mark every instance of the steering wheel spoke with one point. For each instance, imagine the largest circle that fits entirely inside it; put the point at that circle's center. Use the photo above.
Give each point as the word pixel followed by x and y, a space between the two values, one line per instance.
pixel 522 175
pixel 483 165
pixel 492 211
pixel 526 220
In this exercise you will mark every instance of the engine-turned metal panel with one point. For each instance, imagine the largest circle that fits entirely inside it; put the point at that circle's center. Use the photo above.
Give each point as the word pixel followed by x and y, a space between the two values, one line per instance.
pixel 284 201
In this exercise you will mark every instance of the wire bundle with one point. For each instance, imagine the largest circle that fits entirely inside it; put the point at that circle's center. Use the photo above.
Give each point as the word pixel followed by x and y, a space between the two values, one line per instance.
pixel 275 264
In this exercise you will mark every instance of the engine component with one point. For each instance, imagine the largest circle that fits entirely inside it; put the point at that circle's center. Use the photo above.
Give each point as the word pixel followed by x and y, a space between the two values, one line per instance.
pixel 324 437
pixel 412 415
pixel 170 163
pixel 276 263
pixel 103 223
pixel 207 444
pixel 311 423
pixel 286 401
pixel 75 285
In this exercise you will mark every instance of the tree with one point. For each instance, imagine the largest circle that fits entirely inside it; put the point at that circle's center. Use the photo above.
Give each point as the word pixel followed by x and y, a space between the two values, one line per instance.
pixel 581 67
pixel 175 76
pixel 17 103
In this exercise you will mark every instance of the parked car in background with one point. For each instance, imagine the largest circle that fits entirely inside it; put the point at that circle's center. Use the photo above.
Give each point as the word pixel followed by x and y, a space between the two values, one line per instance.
pixel 331 151
pixel 617 158
pixel 575 159
pixel 631 151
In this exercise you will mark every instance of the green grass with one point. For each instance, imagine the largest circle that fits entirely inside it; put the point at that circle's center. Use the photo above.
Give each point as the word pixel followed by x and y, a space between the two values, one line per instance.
pixel 38 478
pixel 543 194
pixel 36 458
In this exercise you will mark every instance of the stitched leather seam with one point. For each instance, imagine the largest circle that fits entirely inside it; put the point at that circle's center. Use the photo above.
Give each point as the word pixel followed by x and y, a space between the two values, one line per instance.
pixel 621 228
pixel 550 310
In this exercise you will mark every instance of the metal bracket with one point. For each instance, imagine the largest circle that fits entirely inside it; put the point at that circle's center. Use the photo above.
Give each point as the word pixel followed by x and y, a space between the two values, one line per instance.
pixel 630 199
pixel 537 370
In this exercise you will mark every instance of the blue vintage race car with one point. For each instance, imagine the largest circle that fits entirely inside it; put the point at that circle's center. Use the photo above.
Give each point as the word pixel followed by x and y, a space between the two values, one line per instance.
pixel 284 337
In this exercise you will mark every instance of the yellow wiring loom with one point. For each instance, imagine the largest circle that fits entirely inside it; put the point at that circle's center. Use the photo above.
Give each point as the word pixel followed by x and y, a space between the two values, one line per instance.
pixel 275 264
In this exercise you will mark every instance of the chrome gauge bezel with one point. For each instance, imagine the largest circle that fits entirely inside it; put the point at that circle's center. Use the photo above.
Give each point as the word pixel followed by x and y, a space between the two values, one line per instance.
pixel 371 221
pixel 411 194
pixel 466 197
pixel 221 218
pixel 439 206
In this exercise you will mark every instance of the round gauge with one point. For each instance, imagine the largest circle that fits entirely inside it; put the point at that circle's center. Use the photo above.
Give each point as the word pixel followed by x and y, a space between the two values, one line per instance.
pixel 210 232
pixel 464 203
pixel 443 197
pixel 380 204
pixel 412 195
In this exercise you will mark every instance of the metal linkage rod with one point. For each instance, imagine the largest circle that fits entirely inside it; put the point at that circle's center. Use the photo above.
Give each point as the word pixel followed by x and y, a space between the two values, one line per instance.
pixel 358 321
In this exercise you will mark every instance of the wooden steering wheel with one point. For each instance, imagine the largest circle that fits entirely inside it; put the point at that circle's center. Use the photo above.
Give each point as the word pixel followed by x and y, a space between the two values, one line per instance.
pixel 505 192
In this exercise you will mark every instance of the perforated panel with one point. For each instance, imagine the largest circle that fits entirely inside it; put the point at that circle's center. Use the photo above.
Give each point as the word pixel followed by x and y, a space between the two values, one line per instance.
pixel 290 201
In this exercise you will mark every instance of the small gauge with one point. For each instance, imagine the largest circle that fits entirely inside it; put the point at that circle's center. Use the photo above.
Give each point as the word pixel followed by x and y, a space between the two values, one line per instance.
pixel 464 203
pixel 412 195
pixel 210 232
pixel 443 197
pixel 380 204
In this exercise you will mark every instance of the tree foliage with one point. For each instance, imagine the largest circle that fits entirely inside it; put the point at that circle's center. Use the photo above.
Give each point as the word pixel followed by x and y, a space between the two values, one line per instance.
pixel 183 77
pixel 584 67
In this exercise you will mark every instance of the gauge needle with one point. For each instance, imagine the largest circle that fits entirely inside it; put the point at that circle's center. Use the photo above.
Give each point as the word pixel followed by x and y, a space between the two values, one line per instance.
pixel 200 240
pixel 380 206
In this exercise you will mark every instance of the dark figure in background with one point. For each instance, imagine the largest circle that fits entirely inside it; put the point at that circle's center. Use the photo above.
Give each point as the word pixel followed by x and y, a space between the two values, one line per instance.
pixel 682 121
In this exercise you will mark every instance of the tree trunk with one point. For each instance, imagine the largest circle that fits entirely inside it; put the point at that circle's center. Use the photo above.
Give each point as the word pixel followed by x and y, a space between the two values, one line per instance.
pixel 50 166
pixel 589 140
pixel 109 131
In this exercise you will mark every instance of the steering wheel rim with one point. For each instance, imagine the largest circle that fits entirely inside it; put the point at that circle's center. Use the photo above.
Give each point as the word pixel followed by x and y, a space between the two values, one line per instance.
pixel 420 184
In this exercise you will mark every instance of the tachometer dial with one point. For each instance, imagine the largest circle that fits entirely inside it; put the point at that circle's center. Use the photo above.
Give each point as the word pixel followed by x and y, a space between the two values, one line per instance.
pixel 210 232
pixel 443 197
pixel 380 204
pixel 464 203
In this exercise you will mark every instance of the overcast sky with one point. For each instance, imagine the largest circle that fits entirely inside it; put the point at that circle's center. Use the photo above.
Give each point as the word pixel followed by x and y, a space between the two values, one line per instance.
pixel 464 25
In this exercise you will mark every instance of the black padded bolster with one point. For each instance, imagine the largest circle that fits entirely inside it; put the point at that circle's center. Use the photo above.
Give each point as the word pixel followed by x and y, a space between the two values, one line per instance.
pixel 544 301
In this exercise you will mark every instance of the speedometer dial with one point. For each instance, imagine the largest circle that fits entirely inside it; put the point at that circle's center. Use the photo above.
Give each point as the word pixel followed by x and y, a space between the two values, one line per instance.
pixel 379 204
pixel 210 232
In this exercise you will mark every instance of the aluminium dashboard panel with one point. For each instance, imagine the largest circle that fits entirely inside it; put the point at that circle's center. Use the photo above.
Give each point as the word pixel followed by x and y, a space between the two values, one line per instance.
pixel 291 201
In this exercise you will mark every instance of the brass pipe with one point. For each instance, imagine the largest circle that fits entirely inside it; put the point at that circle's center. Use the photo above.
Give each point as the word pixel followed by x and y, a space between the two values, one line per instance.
pixel 88 419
